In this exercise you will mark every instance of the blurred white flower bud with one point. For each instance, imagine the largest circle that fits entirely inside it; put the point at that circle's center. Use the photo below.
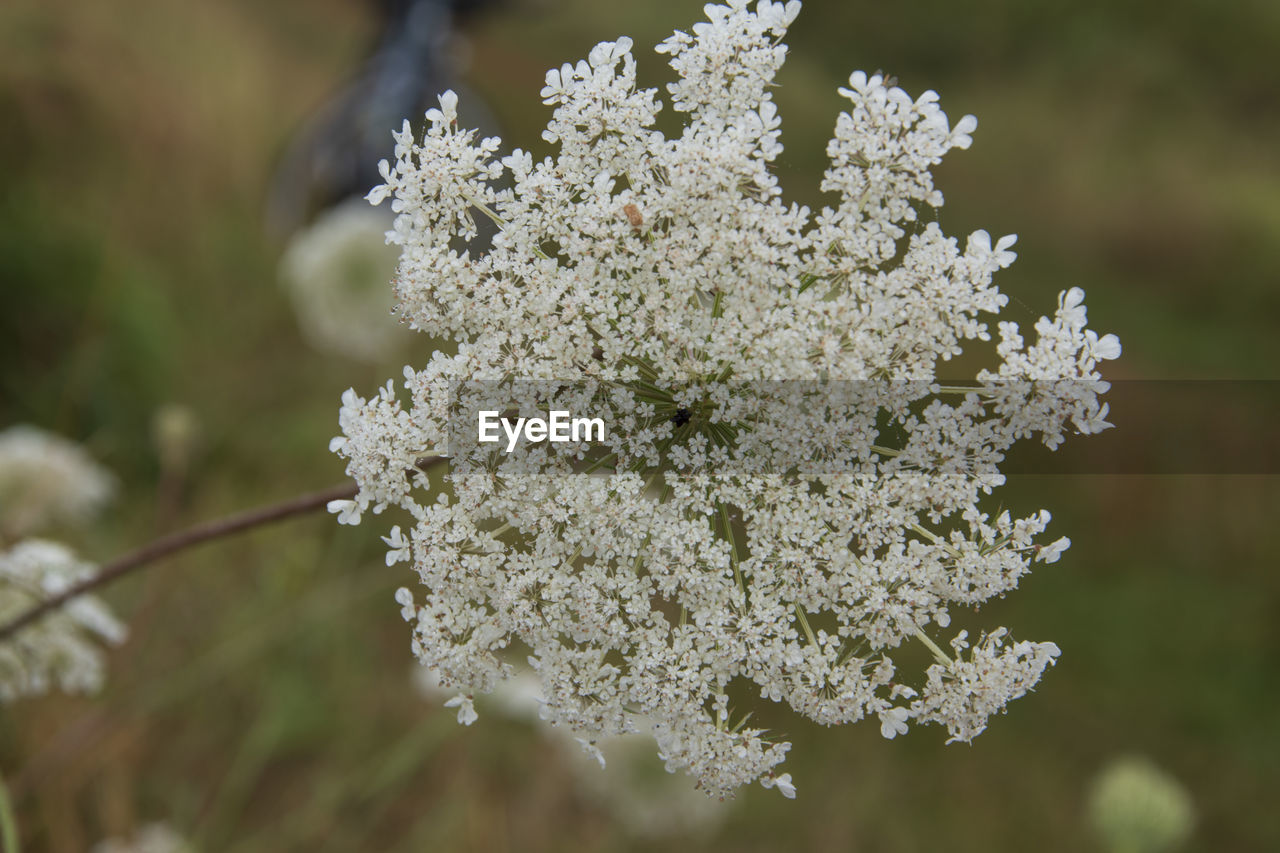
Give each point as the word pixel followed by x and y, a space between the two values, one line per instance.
pixel 1138 808
pixel 176 433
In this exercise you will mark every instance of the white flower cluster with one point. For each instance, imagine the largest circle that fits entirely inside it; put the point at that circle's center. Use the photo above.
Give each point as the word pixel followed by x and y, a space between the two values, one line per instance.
pixel 62 650
pixel 961 694
pixel 664 579
pixel 45 479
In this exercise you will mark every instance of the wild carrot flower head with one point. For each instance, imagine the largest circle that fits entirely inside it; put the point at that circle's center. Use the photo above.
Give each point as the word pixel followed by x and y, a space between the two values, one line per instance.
pixel 787 495
pixel 63 650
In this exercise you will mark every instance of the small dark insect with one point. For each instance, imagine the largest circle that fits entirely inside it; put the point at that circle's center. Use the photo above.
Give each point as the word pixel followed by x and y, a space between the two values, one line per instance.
pixel 633 216
pixel 889 80
pixel 681 417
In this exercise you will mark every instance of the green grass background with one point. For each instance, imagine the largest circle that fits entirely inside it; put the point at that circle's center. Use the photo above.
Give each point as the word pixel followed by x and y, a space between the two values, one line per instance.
pixel 263 701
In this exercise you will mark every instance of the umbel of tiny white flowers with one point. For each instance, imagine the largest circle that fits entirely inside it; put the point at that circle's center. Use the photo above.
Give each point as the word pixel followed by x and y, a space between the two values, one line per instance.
pixel 663 268
pixel 63 649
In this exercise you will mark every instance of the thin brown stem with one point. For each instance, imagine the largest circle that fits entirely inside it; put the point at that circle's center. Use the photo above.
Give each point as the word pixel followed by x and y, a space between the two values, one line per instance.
pixel 180 541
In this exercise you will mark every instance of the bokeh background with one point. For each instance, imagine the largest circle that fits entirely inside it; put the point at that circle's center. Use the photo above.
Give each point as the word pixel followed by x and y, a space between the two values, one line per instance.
pixel 264 700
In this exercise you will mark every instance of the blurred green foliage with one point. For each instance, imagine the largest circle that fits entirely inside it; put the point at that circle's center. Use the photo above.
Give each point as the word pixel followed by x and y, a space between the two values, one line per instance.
pixel 264 700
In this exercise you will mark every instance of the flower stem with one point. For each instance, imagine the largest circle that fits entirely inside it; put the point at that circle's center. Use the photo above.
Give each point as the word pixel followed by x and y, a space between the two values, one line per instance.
pixel 498 220
pixel 964 389
pixel 937 540
pixel 733 552
pixel 804 623
pixel 180 541
pixel 942 656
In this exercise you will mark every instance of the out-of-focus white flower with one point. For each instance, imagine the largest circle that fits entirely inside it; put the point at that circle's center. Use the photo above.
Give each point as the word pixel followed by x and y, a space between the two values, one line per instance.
pixel 425 680
pixel 336 272
pixel 44 480
pixel 1138 808
pixel 62 650
pixel 152 838
pixel 621 774
pixel 661 268
pixel 519 697
pixel 592 750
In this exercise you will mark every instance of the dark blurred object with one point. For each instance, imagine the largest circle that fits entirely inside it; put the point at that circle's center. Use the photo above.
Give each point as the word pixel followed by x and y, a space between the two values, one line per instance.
pixel 335 155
